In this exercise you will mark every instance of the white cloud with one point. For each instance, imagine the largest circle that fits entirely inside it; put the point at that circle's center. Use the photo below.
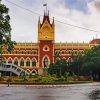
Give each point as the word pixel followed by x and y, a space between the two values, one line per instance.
pixel 24 23
pixel 97 4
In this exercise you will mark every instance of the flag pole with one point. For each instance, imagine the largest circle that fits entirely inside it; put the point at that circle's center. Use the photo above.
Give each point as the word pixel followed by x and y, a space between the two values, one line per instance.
pixel 46 7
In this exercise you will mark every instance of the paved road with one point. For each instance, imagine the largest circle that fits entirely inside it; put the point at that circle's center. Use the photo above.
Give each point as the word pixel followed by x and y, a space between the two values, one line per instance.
pixel 48 92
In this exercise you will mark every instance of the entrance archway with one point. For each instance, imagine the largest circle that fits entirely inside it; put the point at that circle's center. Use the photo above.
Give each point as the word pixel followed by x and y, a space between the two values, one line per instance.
pixel 34 72
pixel 45 61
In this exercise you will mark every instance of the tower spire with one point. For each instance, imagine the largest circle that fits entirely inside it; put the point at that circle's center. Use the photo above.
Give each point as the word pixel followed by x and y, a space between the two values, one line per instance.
pixel 48 12
pixel 45 8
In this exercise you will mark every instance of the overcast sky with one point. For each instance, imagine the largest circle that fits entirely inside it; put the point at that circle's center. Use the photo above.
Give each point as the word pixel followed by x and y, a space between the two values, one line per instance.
pixel 83 13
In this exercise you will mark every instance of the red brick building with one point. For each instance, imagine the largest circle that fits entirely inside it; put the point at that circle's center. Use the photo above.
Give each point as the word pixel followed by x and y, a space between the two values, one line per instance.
pixel 36 57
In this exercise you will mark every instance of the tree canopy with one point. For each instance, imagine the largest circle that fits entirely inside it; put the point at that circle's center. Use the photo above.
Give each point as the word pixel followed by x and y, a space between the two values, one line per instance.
pixel 88 63
pixel 91 59
pixel 84 64
pixel 5 29
pixel 60 68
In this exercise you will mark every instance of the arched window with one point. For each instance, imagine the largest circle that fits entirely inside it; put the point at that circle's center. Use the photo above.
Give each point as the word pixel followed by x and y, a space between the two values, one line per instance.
pixel 16 62
pixel 33 73
pixel 34 63
pixel 10 61
pixel 45 62
pixel 22 62
pixel 28 62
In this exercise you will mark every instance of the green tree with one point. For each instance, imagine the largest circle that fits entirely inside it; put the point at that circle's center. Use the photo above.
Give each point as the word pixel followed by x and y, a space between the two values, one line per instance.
pixel 88 63
pixel 76 64
pixel 59 68
pixel 92 59
pixel 5 29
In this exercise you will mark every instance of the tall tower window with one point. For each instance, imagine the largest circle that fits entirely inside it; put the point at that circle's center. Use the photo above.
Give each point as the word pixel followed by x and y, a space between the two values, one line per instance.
pixel 10 61
pixel 22 62
pixel 16 62
pixel 28 62
pixel 45 62
pixel 34 63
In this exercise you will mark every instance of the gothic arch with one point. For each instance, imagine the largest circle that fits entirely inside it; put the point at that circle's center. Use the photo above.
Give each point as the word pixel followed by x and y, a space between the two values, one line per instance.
pixel 16 58
pixel 34 61
pixel 10 60
pixel 34 58
pixel 45 61
pixel 22 61
pixel 27 58
pixel 34 71
pixel 27 61
pixel 28 70
pixel 16 61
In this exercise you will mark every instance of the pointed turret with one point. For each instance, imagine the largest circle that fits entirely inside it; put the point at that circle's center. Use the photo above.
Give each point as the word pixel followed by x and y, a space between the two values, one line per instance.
pixel 39 24
pixel 53 21
pixel 53 24
pixel 39 20
pixel 46 17
pixel 46 29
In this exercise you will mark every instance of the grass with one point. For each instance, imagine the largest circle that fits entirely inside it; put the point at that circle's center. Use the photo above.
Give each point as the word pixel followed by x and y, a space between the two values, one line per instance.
pixel 45 83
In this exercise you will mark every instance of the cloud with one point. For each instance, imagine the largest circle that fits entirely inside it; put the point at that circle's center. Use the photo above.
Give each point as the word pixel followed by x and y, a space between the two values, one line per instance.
pixel 97 4
pixel 24 24
pixel 80 5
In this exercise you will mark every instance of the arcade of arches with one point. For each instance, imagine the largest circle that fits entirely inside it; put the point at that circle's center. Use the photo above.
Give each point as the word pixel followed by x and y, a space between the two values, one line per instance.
pixel 22 62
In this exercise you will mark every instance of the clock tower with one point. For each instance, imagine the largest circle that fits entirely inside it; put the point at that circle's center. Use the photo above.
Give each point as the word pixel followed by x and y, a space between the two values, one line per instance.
pixel 46 39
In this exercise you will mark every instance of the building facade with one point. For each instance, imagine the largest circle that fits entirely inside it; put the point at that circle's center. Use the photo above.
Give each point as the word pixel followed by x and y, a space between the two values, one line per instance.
pixel 36 57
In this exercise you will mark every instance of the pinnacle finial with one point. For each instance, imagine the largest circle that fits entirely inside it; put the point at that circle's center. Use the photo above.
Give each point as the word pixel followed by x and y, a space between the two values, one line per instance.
pixel 48 12
pixel 53 21
pixel 44 12
pixel 39 20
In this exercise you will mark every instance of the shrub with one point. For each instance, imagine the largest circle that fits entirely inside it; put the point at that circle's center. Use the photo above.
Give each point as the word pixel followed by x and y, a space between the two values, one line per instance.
pixel 10 80
pixel 2 79
pixel 62 78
